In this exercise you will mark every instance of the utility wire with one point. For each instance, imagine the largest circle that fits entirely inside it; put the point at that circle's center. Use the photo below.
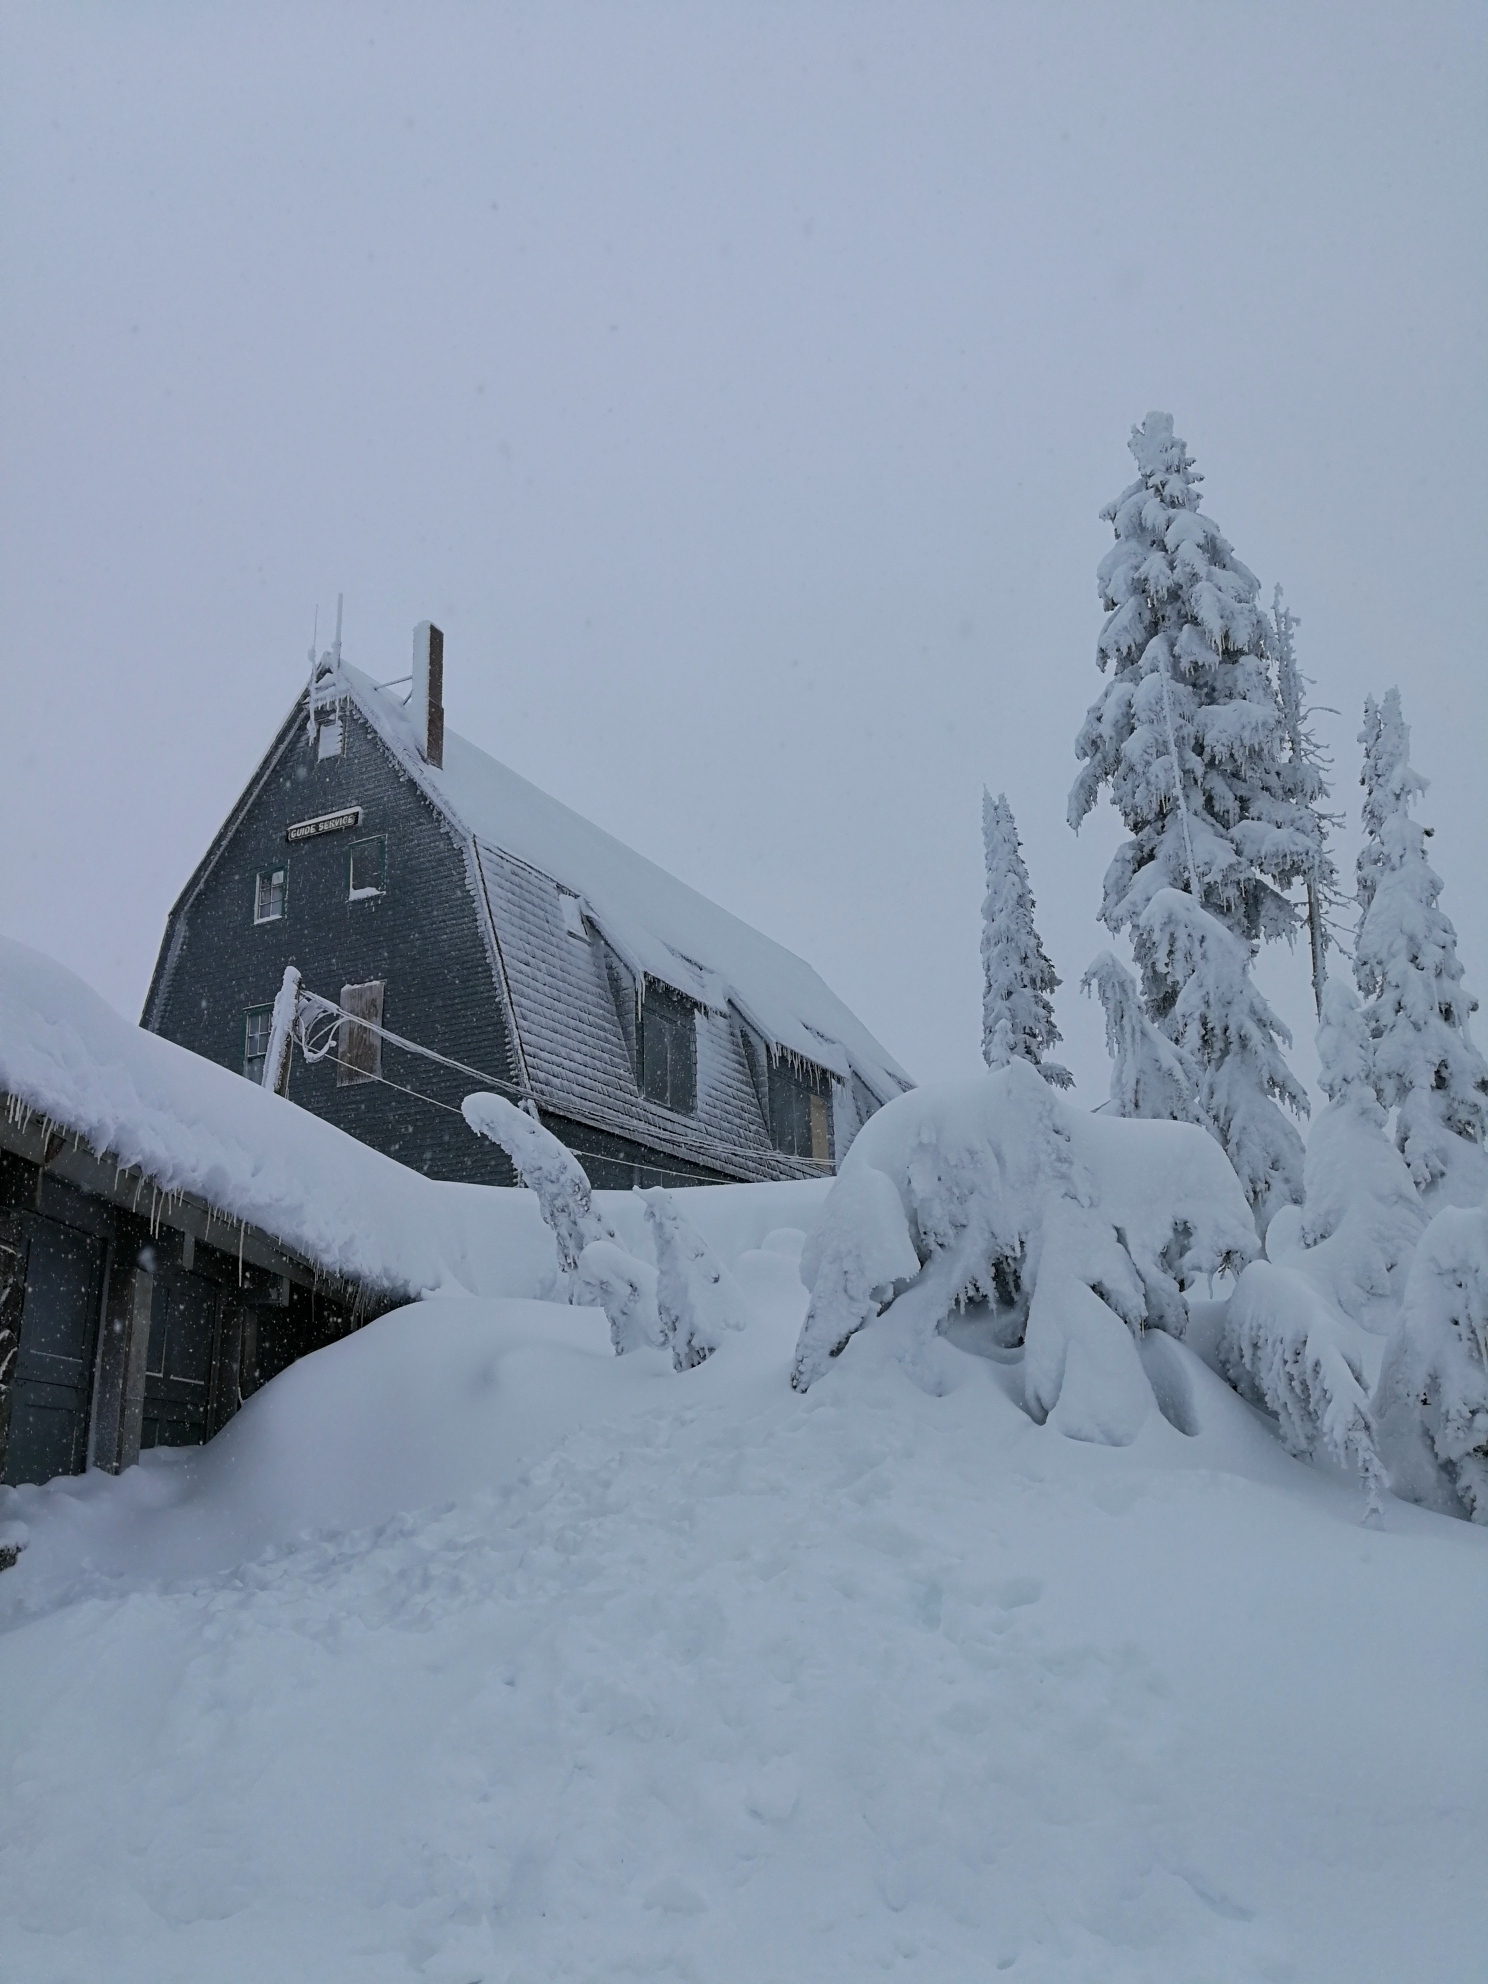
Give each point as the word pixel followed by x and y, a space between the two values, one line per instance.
pixel 599 1157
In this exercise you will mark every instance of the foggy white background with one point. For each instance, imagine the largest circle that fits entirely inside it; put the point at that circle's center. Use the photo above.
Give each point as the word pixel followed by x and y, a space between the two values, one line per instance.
pixel 738 387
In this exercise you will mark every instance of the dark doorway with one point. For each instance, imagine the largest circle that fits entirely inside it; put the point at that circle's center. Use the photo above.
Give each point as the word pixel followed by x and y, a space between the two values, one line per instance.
pixel 58 1341
pixel 185 1311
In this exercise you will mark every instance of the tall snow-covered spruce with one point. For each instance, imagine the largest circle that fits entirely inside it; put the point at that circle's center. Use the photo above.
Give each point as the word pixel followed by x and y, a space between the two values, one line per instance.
pixel 1018 981
pixel 1424 1063
pixel 1190 736
pixel 1188 732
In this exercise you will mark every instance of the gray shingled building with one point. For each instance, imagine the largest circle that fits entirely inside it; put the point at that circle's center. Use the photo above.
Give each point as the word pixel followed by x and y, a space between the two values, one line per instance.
pixel 443 904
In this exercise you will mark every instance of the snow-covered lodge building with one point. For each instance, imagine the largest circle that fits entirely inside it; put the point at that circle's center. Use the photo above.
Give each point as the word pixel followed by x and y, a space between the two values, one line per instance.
pixel 476 933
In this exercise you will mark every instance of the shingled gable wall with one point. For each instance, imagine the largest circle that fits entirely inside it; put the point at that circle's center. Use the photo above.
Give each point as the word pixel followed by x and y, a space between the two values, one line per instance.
pixel 422 936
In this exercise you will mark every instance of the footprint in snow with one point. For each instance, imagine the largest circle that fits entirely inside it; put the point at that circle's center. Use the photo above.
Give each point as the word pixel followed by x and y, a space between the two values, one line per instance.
pixel 773 1792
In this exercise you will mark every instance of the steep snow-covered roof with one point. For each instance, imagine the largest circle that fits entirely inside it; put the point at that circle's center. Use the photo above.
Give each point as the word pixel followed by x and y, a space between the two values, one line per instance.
pixel 658 925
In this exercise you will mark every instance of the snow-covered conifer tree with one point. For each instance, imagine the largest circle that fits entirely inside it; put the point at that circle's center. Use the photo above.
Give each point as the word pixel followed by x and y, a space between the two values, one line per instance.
pixel 1360 1217
pixel 1188 732
pixel 1230 1034
pixel 1018 980
pixel 1431 1403
pixel 549 1169
pixel 1311 768
pixel 697 1298
pixel 1424 1062
pixel 1191 738
pixel 1149 1075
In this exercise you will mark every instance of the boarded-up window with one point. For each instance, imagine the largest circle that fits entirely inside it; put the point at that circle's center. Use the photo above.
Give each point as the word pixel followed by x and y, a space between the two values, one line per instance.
pixel 359 1048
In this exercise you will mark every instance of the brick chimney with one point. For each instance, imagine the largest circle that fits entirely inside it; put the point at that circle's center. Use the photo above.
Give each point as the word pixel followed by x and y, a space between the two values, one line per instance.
pixel 426 704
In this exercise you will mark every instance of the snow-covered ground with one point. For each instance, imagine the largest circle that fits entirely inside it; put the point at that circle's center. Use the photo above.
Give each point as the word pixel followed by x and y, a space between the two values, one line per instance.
pixel 470 1651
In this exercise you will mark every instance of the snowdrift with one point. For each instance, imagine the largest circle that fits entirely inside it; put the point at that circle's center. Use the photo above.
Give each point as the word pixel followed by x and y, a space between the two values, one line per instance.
pixel 471 1650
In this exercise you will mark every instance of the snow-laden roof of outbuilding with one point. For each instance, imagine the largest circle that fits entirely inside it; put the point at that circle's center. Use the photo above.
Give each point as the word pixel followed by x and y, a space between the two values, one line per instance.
pixel 660 927
pixel 195 1128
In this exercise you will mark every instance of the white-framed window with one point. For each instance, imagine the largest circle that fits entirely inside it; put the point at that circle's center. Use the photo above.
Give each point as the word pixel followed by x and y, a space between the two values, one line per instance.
pixel 268 895
pixel 366 867
pixel 258 1023
pixel 572 912
pixel 330 739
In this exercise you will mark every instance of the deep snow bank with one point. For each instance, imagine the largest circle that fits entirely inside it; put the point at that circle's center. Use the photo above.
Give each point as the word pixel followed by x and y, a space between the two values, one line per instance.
pixel 694 1677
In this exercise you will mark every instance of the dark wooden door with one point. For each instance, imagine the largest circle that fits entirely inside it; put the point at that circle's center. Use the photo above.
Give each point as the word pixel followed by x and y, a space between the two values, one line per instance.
pixel 185 1313
pixel 58 1342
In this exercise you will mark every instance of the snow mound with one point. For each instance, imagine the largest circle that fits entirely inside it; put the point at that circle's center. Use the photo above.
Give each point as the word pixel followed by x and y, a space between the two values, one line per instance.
pixel 1073 1230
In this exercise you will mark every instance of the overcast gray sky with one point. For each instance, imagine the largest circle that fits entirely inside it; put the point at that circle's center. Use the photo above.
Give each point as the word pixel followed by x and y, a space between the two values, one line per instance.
pixel 738 386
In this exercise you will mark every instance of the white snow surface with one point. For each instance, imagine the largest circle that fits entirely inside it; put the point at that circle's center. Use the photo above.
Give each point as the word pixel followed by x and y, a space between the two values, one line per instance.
pixel 470 1651
pixel 657 924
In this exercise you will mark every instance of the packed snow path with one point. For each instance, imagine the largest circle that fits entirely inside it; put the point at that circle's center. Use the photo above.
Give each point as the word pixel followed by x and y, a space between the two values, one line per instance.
pixel 693 1678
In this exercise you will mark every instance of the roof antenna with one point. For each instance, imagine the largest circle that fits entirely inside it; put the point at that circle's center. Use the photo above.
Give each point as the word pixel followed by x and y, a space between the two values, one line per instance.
pixel 314 637
pixel 336 648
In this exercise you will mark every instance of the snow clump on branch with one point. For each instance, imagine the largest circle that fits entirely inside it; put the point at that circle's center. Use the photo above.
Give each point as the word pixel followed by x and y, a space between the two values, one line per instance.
pixel 1071 1231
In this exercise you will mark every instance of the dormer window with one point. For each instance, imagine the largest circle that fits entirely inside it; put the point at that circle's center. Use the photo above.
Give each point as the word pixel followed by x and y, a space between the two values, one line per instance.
pixel 801 1110
pixel 668 1050
pixel 268 895
pixel 572 912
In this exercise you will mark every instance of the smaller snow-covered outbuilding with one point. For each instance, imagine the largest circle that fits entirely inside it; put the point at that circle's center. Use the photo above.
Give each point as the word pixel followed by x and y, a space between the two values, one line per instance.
pixel 442 903
pixel 172 1236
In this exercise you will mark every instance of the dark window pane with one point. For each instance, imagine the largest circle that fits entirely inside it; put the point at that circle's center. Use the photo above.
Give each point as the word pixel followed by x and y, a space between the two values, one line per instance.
pixel 367 866
pixel 669 1051
pixel 800 1112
